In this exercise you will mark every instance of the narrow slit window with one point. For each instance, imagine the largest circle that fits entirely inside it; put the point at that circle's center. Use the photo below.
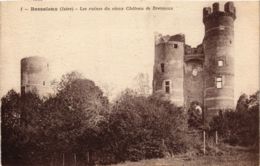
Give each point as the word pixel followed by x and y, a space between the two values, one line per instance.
pixel 220 63
pixel 219 82
pixel 175 45
pixel 162 67
pixel 43 83
pixel 23 90
pixel 167 87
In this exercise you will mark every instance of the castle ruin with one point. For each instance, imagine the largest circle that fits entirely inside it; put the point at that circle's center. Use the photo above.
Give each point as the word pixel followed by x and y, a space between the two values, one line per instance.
pixel 35 76
pixel 204 74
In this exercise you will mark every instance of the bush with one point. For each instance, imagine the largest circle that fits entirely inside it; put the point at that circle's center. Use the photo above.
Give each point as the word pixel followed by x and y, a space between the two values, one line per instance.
pixel 144 127
pixel 239 127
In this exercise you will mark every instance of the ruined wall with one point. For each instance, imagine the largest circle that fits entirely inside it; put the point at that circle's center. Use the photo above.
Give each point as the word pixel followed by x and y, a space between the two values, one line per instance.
pixel 219 58
pixel 35 76
pixel 204 74
pixel 168 69
pixel 193 75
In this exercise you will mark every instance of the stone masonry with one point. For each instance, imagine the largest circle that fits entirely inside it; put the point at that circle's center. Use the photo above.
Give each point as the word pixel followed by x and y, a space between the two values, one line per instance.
pixel 35 76
pixel 204 74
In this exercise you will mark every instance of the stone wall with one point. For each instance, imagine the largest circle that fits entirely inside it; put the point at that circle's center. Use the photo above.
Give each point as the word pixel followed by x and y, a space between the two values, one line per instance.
pixel 204 74
pixel 219 60
pixel 193 82
pixel 35 76
pixel 168 67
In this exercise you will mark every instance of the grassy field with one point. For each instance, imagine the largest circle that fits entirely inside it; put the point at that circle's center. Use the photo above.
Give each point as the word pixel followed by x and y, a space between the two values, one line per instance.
pixel 238 157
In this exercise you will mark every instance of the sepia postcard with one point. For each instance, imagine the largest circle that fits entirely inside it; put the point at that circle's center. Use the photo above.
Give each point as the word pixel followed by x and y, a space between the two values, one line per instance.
pixel 129 83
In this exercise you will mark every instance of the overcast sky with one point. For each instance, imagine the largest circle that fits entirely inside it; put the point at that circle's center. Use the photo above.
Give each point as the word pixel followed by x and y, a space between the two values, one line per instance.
pixel 113 47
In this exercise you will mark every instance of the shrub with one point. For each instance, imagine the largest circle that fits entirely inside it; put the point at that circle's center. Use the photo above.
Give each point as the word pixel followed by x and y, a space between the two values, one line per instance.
pixel 144 127
pixel 239 127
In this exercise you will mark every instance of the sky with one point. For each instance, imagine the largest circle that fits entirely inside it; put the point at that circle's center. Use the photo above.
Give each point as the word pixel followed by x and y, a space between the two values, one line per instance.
pixel 112 47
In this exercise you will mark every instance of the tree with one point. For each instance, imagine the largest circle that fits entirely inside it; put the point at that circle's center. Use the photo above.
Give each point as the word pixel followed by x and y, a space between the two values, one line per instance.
pixel 242 103
pixel 36 131
pixel 67 79
pixel 10 109
pixel 73 116
pixel 254 99
pixel 108 89
pixel 144 127
pixel 239 127
pixel 10 118
pixel 141 84
pixel 20 127
pixel 30 128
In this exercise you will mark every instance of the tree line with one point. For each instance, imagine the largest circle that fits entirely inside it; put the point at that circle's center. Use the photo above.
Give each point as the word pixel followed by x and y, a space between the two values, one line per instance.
pixel 79 126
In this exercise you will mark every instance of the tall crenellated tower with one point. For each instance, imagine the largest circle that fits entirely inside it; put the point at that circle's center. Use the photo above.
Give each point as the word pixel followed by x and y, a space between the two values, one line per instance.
pixel 35 76
pixel 203 75
pixel 218 45
pixel 168 75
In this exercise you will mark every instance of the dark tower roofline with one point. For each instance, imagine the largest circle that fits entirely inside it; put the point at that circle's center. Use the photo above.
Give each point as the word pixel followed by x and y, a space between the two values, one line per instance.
pixel 178 37
pixel 166 38
pixel 229 10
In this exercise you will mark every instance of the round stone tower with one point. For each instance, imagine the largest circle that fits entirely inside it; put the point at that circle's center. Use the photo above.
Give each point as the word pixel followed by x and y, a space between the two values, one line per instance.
pixel 168 74
pixel 218 45
pixel 35 76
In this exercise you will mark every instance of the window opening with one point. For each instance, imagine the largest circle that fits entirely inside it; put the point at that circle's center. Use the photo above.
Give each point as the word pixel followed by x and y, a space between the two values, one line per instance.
pixel 162 67
pixel 167 86
pixel 220 63
pixel 219 82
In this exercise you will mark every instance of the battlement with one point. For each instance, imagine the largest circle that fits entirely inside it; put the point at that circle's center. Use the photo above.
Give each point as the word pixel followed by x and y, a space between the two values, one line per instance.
pixel 203 74
pixel 229 10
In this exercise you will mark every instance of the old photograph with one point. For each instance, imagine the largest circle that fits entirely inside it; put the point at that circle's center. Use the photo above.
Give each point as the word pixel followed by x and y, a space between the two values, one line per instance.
pixel 121 83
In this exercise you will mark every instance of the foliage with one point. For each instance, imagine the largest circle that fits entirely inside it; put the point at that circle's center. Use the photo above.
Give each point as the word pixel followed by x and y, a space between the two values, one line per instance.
pixel 10 116
pixel 79 119
pixel 34 130
pixel 141 84
pixel 20 127
pixel 141 127
pixel 73 116
pixel 242 103
pixel 239 127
